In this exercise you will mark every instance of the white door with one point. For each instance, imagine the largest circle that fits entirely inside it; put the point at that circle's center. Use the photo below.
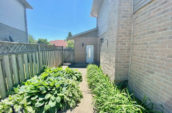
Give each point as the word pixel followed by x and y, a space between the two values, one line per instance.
pixel 89 54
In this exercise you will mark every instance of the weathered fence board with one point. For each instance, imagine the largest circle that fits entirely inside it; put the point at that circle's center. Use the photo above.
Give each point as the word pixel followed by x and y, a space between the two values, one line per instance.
pixel 14 69
pixel 7 72
pixel 40 59
pixel 19 62
pixel 68 55
pixel 30 65
pixel 21 67
pixel 2 83
pixel 37 62
pixel 34 63
pixel 26 66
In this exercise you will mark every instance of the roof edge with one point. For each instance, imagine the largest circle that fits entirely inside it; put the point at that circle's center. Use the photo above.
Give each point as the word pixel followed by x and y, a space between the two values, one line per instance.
pixel 96 7
pixel 26 4
pixel 79 34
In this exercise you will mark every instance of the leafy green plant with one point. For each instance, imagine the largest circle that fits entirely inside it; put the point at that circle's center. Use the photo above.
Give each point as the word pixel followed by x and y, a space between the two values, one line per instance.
pixel 15 103
pixel 107 97
pixel 66 73
pixel 56 89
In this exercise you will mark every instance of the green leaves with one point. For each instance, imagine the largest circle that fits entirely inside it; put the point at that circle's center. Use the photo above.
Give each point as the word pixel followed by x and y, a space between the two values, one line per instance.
pixel 54 90
pixel 108 98
pixel 48 96
pixel 39 104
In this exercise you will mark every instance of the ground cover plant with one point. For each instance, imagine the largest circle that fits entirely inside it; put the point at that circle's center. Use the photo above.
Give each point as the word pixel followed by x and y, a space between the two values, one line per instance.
pixel 56 89
pixel 107 97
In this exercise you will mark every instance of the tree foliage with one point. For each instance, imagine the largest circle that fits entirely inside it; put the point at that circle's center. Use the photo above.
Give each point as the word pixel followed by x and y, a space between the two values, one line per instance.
pixel 70 44
pixel 42 41
pixel 69 35
pixel 31 39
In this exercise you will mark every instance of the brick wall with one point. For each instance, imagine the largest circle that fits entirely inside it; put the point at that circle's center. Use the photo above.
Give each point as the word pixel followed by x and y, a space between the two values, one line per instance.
pixel 151 54
pixel 89 38
pixel 107 30
pixel 123 39
pixel 114 26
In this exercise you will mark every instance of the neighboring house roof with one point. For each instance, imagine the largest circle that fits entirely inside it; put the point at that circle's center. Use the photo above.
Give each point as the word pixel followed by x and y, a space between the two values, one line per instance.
pixel 25 3
pixel 59 43
pixel 92 32
pixel 96 7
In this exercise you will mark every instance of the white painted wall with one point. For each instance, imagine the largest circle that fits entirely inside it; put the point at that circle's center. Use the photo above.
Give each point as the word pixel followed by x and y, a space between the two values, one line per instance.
pixel 12 14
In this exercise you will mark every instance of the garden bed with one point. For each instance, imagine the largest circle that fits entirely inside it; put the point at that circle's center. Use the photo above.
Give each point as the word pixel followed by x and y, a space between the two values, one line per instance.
pixel 54 90
pixel 108 98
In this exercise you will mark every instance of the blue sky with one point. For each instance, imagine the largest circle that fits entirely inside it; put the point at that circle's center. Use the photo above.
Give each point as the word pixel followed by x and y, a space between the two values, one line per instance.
pixel 53 19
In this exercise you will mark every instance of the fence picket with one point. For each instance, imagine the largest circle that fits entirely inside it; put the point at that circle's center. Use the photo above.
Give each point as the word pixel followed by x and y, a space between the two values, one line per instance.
pixel 30 65
pixel 40 60
pixel 46 58
pixel 7 71
pixel 21 61
pixel 34 64
pixel 14 69
pixel 21 67
pixel 52 59
pixel 3 92
pixel 26 67
pixel 37 62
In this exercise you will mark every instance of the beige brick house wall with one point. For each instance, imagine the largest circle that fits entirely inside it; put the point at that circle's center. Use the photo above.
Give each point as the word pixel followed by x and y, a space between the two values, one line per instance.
pixel 107 30
pixel 138 46
pixel 114 26
pixel 151 54
pixel 89 38
pixel 123 39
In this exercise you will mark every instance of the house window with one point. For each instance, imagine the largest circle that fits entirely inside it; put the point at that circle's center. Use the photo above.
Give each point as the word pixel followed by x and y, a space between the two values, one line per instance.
pixel 138 4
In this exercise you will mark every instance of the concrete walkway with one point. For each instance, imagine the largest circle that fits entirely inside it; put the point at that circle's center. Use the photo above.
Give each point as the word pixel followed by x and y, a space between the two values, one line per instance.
pixel 85 106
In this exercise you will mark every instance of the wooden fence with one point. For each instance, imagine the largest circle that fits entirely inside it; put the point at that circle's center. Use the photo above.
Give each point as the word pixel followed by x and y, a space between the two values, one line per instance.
pixel 68 55
pixel 19 62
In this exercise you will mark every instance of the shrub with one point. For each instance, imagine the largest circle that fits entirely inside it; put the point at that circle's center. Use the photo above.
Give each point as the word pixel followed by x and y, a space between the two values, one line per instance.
pixel 108 98
pixel 54 90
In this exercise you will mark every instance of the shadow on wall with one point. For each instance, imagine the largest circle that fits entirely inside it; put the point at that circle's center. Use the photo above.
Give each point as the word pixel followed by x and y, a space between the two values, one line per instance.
pixel 168 105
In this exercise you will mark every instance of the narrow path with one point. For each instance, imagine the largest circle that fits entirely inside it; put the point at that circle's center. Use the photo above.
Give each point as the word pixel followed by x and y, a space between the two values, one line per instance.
pixel 85 106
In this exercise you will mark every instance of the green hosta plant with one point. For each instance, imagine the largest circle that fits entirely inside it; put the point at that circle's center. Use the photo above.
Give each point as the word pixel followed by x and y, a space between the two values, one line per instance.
pixel 54 90
pixel 52 94
pixel 66 73
pixel 15 103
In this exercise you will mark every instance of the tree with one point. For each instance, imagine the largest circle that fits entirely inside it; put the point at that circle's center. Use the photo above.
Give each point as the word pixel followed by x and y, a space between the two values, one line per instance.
pixel 70 44
pixel 31 40
pixel 69 35
pixel 42 41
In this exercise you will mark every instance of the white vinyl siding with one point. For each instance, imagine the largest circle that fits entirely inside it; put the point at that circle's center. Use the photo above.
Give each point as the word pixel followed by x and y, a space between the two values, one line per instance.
pixel 138 4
